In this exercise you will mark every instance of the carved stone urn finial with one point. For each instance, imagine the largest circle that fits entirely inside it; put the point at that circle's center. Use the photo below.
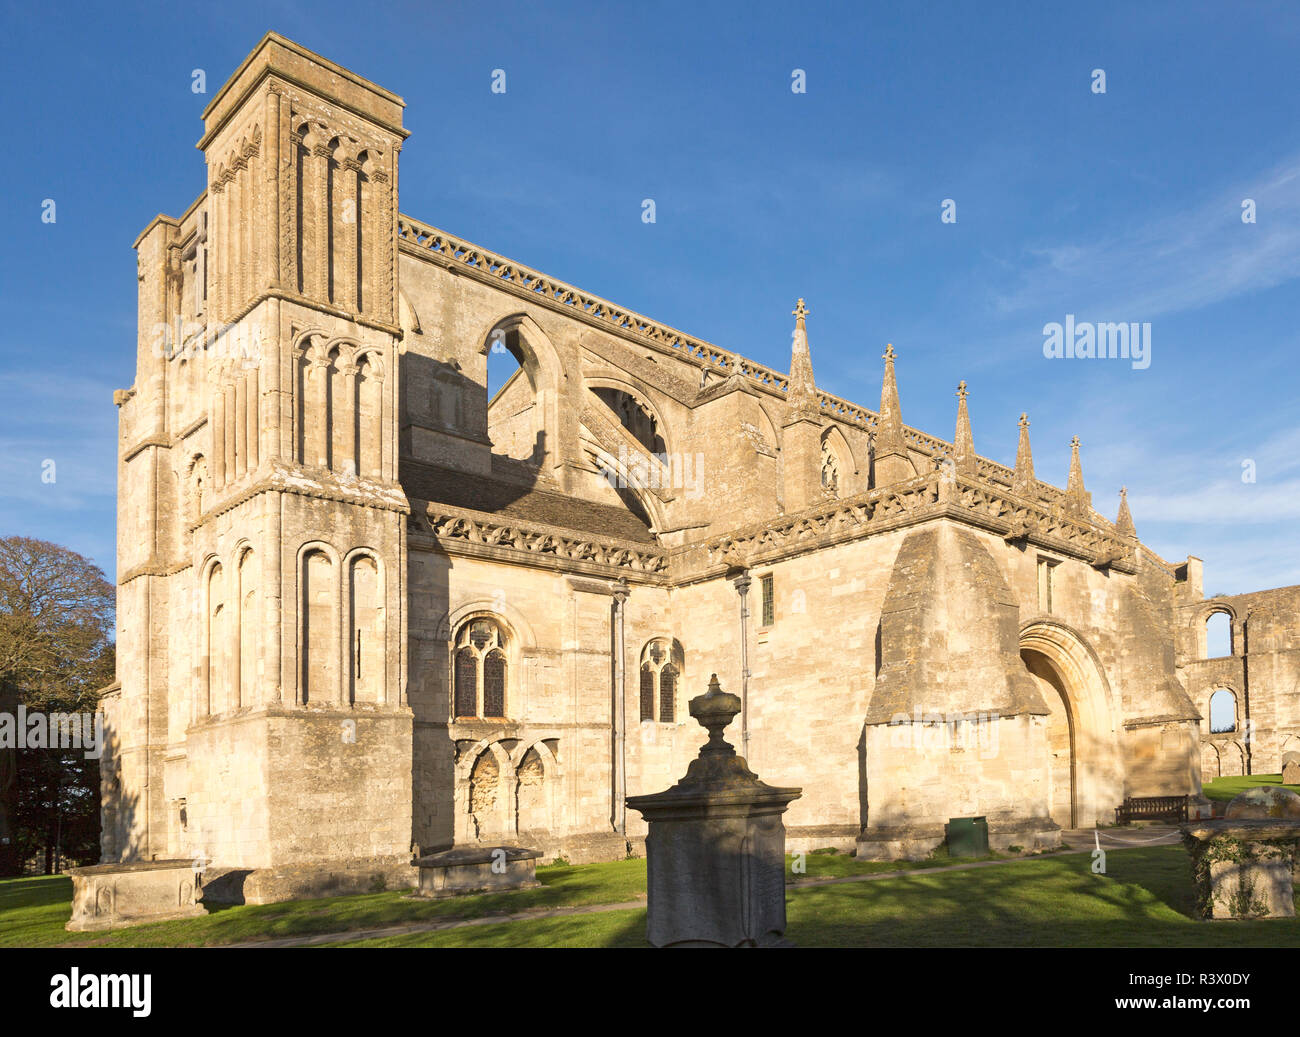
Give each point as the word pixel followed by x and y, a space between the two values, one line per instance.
pixel 715 709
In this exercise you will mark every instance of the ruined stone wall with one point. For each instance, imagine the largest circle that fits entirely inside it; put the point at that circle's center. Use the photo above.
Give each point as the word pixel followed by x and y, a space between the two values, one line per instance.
pixel 1262 673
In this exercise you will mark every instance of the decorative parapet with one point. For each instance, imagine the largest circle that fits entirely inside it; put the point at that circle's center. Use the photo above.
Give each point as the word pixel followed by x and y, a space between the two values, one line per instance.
pixel 937 495
pixel 459 530
pixel 533 284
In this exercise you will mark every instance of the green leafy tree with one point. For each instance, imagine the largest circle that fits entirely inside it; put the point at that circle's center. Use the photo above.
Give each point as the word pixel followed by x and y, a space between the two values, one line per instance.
pixel 56 653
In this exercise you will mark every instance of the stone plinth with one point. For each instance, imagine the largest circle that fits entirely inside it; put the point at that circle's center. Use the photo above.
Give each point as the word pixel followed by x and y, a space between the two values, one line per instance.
pixel 715 852
pixel 1245 863
pixel 109 896
pixel 477 869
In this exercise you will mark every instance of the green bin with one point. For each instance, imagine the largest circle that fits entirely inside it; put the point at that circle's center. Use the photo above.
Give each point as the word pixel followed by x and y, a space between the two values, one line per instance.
pixel 967 836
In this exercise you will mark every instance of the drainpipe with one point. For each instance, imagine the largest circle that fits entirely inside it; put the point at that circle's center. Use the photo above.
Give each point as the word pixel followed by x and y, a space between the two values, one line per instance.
pixel 619 814
pixel 741 583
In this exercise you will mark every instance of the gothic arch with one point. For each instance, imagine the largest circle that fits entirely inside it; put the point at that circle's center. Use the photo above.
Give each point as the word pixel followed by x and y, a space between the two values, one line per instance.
pixel 832 440
pixel 485 791
pixel 1211 691
pixel 537 797
pixel 1232 758
pixel 490 743
pixel 621 382
pixel 833 435
pixel 539 742
pixel 540 362
pixel 1074 669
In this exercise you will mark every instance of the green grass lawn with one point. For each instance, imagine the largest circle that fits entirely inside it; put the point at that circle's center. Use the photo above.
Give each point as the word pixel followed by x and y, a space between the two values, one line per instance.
pixel 33 911
pixel 1051 900
pixel 1145 900
pixel 1223 789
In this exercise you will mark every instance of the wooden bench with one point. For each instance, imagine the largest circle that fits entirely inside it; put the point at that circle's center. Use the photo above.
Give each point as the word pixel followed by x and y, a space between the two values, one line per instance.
pixel 1152 808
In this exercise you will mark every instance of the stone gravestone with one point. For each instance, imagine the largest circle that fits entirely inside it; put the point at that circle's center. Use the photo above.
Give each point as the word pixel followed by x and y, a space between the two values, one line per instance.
pixel 1244 863
pixel 715 854
pixel 1291 768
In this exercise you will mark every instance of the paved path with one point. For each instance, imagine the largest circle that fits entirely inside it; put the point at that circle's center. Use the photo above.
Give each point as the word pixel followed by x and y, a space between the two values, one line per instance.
pixel 1121 838
pixel 1080 840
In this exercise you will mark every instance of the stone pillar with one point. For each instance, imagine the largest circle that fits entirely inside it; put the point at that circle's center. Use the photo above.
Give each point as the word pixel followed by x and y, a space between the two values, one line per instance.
pixel 618 749
pixel 716 847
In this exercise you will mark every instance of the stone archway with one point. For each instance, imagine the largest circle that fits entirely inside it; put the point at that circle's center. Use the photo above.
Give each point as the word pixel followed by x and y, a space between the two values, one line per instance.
pixel 1084 772
pixel 1232 759
pixel 1062 740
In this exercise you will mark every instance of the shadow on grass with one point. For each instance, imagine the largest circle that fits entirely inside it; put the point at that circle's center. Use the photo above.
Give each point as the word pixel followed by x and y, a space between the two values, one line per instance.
pixel 44 910
pixel 1144 900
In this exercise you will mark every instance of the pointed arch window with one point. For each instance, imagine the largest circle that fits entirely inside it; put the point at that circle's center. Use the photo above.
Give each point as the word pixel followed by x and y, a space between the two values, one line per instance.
pixel 661 665
pixel 480 670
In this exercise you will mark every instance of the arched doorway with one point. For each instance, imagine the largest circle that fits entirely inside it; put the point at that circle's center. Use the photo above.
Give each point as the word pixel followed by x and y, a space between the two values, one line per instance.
pixel 1062 801
pixel 1084 769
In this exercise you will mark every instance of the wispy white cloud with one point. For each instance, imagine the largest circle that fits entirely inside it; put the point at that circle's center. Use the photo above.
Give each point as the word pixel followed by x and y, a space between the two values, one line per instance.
pixel 1194 501
pixel 1176 262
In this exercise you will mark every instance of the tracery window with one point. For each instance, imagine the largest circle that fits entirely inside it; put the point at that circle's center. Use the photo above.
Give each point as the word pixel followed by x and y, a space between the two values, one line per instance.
pixel 660 669
pixel 479 670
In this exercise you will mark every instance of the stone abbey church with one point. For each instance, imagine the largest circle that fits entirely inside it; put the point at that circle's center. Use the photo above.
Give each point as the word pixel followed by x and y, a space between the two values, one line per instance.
pixel 363 607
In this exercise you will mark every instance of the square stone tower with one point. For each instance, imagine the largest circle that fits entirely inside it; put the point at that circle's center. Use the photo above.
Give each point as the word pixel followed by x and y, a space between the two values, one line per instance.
pixel 261 718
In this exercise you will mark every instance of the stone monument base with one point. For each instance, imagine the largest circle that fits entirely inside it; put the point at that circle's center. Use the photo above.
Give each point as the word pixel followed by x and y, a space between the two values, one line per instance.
pixel 477 869
pixel 112 896
pixel 1244 864
pixel 312 881
pixel 1244 867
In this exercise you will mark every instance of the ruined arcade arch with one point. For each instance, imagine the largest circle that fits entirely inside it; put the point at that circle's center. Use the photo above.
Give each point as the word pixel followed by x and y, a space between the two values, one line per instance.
pixel 1223 711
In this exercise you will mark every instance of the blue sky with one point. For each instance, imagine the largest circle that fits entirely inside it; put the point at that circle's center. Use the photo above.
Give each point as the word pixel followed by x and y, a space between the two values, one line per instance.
pixel 1122 206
